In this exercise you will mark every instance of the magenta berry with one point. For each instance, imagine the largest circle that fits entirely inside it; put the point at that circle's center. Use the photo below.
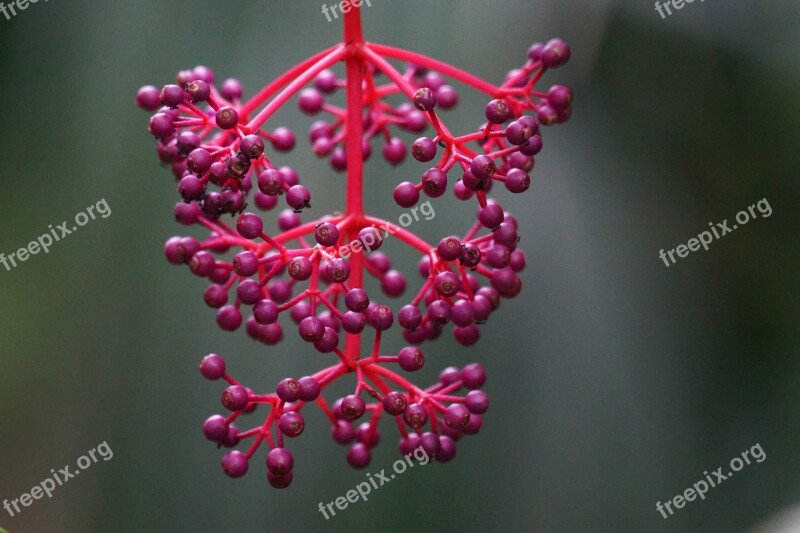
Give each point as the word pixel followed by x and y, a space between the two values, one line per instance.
pixel 280 461
pixel 292 424
pixel 227 118
pixel 235 463
pixel 424 99
pixel 212 367
pixel 235 398
pixel 249 225
pixel 323 275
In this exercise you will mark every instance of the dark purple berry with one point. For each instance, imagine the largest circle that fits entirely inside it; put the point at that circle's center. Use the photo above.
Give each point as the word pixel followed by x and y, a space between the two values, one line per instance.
pixel 356 300
pixel 424 99
pixel 423 149
pixel 497 111
pixel 353 407
pixel 235 463
pixel 212 367
pixel 415 415
pixel 394 403
pixel 227 118
pixel 411 359
pixel 291 424
pixel 235 398
pixel 215 428
pixel 289 390
pixel 326 234
pixel 280 461
pixel 359 455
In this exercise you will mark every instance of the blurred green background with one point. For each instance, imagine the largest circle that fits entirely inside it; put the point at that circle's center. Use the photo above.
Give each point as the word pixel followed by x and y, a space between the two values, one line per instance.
pixel 615 381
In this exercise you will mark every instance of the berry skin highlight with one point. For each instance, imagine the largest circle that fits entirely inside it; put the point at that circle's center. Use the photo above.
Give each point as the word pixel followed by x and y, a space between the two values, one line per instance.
pixel 225 153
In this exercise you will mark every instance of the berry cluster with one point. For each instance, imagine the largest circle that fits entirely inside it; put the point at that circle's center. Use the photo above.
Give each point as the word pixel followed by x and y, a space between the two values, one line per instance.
pixel 222 155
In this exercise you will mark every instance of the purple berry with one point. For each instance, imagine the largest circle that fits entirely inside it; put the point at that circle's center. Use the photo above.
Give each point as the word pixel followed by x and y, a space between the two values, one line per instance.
pixel 356 300
pixel 353 407
pixel 423 149
pixel 249 225
pixel 359 455
pixel 289 390
pixel 406 194
pixel 434 182
pixel 235 463
pixel 235 398
pixel 411 359
pixel 215 428
pixel 415 415
pixel 148 98
pixel 298 197
pixel 326 234
pixel 342 432
pixel 473 375
pixel 394 403
pixel 291 424
pixel 497 111
pixel 227 118
pixel 212 367
pixel 424 99
pixel 280 461
pixel 477 402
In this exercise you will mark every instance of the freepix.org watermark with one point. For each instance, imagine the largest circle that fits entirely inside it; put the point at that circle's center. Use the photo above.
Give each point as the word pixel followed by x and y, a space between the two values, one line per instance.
pixel 380 479
pixel 367 241
pixel 13 7
pixel 719 230
pixel 46 240
pixel 700 488
pixel 676 4
pixel 103 450
pixel 344 6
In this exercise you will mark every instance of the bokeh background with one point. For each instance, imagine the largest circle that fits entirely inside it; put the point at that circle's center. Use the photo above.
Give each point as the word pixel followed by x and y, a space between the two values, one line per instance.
pixel 615 381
